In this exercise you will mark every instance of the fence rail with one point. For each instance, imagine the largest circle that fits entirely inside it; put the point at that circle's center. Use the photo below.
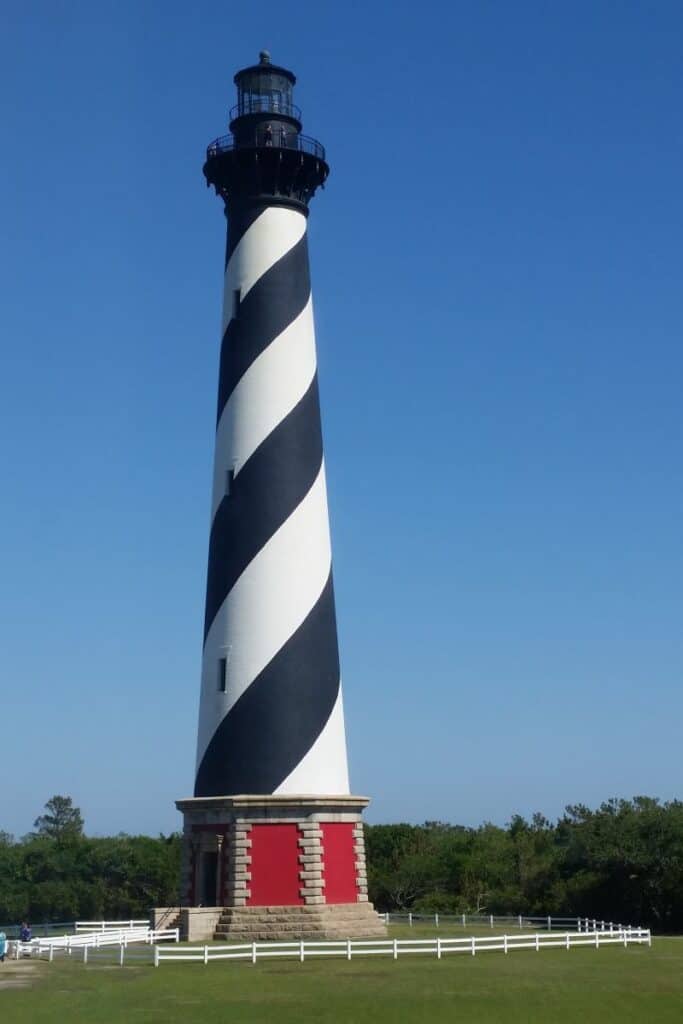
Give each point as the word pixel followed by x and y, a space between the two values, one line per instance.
pixel 521 921
pixel 85 941
pixel 279 139
pixel 93 926
pixel 61 927
pixel 394 948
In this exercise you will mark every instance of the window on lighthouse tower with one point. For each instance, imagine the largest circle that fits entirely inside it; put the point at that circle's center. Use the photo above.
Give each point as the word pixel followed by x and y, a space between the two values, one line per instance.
pixel 222 675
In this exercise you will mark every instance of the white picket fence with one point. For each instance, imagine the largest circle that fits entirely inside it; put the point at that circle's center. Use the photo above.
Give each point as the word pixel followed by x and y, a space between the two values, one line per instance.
pixel 547 922
pixel 104 926
pixel 348 948
pixel 47 929
pixel 83 942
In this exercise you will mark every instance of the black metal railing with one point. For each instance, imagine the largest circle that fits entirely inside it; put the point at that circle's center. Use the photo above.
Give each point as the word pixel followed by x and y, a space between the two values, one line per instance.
pixel 267 137
pixel 265 105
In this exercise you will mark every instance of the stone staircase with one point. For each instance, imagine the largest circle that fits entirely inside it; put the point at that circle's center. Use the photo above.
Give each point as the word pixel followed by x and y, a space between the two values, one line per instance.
pixel 333 921
pixel 166 917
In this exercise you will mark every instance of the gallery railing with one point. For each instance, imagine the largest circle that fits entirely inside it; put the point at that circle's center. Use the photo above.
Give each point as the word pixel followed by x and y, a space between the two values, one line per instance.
pixel 263 137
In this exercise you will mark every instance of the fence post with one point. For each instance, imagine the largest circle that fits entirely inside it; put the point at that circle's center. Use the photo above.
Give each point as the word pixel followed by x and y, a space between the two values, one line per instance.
pixel 505 944
pixel 156 956
pixel 649 937
pixel 567 940
pixel 474 947
pixel 597 939
pixel 520 922
pixel 253 952
pixel 206 955
pixel 348 949
pixel 550 922
pixel 464 920
pixel 410 919
pixel 51 955
pixel 85 954
pixel 578 924
pixel 436 920
pixel 301 950
pixel 121 949
pixel 537 943
pixel 395 949
pixel 386 917
pixel 625 940
pixel 438 948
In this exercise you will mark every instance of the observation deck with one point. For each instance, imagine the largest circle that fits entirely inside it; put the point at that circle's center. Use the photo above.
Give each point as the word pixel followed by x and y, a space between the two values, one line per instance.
pixel 265 156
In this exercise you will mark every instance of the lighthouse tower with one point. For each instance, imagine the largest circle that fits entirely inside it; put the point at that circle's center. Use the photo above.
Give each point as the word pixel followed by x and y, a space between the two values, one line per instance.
pixel 273 842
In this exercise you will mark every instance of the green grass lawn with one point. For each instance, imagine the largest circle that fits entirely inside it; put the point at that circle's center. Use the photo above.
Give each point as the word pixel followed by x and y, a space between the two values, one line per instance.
pixel 553 987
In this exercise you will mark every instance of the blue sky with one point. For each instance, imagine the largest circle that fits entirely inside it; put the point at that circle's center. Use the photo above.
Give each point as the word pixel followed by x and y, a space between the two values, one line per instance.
pixel 497 278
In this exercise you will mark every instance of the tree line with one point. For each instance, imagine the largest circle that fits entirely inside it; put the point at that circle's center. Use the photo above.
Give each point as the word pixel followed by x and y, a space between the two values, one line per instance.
pixel 622 861
pixel 56 873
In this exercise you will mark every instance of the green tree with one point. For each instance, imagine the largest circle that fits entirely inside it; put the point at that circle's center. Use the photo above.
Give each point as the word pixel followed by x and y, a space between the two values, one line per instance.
pixel 62 821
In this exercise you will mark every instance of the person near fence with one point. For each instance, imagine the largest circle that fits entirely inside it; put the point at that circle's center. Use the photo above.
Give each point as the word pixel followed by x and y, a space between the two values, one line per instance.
pixel 3 947
pixel 25 933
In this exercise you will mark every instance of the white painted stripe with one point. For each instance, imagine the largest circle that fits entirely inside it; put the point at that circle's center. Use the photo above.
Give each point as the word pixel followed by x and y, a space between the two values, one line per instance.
pixel 265 607
pixel 324 768
pixel 268 239
pixel 277 379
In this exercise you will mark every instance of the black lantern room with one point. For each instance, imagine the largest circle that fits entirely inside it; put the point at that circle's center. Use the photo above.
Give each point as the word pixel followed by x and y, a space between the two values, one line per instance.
pixel 266 155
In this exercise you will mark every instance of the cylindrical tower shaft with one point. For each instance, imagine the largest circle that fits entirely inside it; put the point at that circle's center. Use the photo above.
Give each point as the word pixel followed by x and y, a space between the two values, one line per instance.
pixel 271 718
pixel 272 838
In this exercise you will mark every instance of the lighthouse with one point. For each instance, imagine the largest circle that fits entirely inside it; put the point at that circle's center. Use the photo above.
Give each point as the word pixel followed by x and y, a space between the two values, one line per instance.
pixel 273 841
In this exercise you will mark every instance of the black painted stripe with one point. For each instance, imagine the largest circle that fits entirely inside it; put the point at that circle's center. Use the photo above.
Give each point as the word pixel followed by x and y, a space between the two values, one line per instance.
pixel 278 718
pixel 240 218
pixel 275 300
pixel 270 485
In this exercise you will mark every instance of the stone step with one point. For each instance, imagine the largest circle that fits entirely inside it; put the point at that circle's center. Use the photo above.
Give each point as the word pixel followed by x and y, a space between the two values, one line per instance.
pixel 335 909
pixel 237 925
pixel 271 936
pixel 301 927
pixel 309 923
pixel 321 921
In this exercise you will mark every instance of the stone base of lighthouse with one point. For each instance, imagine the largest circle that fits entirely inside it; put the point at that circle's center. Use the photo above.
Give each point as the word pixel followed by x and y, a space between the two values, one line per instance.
pixel 275 867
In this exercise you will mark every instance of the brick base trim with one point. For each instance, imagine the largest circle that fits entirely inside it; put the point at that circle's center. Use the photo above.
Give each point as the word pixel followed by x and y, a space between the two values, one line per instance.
pixel 335 921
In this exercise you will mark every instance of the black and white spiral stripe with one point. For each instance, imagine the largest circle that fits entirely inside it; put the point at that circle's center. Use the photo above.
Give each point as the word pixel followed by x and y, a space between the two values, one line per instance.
pixel 278 727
